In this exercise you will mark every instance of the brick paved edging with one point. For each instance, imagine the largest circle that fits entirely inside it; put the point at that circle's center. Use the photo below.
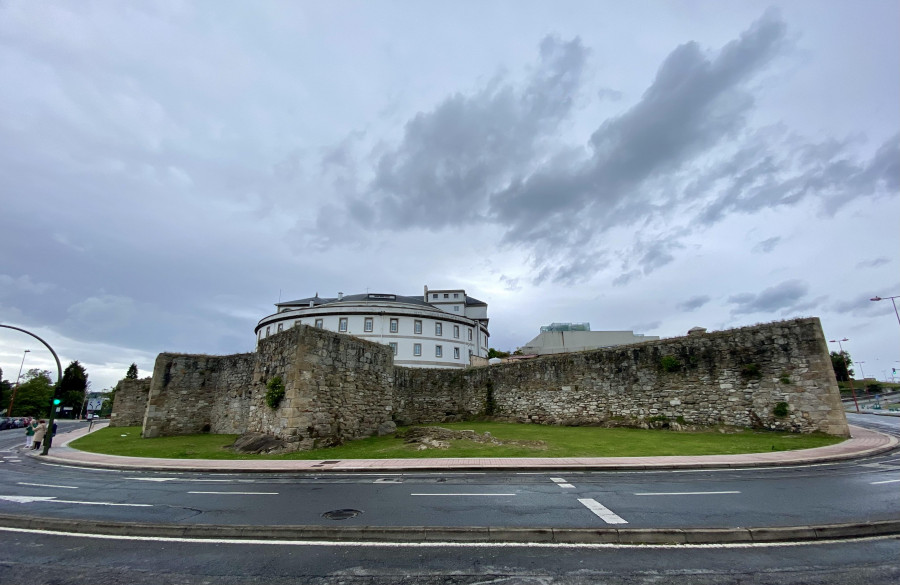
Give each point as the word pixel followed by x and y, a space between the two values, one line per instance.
pixel 468 534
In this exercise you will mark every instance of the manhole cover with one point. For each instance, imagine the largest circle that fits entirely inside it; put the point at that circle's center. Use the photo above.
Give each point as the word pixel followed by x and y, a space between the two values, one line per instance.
pixel 342 514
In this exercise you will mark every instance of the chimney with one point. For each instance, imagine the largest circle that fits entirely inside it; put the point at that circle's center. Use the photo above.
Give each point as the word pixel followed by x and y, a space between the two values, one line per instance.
pixel 340 296
pixel 426 294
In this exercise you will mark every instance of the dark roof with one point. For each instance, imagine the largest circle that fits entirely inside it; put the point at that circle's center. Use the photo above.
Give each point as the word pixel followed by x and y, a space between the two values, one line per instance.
pixel 373 297
pixel 473 301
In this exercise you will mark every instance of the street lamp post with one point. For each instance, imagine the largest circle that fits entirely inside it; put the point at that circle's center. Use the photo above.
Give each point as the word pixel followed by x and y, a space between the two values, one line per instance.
pixel 877 298
pixel 849 377
pixel 49 437
pixel 865 386
pixel 12 398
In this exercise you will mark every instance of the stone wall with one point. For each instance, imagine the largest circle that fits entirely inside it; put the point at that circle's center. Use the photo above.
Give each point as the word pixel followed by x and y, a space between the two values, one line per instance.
pixel 732 378
pixel 338 387
pixel 130 403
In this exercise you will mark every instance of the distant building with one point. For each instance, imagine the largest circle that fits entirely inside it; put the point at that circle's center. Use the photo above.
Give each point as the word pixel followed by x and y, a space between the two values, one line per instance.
pixel 567 337
pixel 439 329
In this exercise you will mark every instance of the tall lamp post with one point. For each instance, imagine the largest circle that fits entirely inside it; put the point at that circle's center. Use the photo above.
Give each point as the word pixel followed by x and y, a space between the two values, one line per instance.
pixel 877 298
pixel 12 398
pixel 48 440
pixel 849 377
pixel 865 385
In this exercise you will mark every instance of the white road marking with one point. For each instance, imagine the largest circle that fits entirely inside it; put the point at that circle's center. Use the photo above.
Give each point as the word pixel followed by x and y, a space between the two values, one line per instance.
pixel 439 544
pixel 885 481
pixel 388 480
pixel 561 482
pixel 67 487
pixel 681 493
pixel 83 468
pixel 188 480
pixel 461 494
pixel 53 500
pixel 602 511
pixel 239 493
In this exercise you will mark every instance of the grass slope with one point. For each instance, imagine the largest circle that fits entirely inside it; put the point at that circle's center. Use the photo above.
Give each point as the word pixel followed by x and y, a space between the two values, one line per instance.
pixel 559 442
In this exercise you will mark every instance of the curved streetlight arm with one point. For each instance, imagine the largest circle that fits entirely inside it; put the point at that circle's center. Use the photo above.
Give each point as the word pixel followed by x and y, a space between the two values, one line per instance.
pixel 49 439
pixel 877 298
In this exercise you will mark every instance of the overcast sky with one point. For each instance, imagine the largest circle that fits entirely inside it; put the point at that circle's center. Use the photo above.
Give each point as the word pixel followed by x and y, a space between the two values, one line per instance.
pixel 169 170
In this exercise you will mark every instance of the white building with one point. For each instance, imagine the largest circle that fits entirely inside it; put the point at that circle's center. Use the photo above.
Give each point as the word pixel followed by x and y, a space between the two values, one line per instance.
pixel 440 329
pixel 566 337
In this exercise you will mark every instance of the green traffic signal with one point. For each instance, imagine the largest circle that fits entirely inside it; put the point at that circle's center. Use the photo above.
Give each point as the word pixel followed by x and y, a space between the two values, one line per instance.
pixel 56 401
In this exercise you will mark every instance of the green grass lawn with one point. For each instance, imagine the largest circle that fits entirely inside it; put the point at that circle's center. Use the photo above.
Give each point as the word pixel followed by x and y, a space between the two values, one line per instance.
pixel 558 442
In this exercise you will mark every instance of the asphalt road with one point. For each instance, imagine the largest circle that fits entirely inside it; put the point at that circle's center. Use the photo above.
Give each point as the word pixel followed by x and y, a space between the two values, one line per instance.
pixel 861 490
pixel 850 491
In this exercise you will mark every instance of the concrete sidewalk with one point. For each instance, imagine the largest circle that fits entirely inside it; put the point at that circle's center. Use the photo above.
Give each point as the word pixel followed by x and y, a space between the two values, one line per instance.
pixel 863 442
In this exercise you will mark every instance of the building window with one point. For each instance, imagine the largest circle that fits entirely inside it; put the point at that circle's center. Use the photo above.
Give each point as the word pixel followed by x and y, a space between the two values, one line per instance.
pixel 455 295
pixel 456 353
pixel 417 349
pixel 438 351
pixel 280 327
pixel 470 335
pixel 369 325
pixel 456 308
pixel 417 327
pixel 395 325
pixel 267 330
pixel 319 323
pixel 342 325
pixel 438 328
pixel 393 347
pixel 434 296
pixel 446 296
pixel 456 332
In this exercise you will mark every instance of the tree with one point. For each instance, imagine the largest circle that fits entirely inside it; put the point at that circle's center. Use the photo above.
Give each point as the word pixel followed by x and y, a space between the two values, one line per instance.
pixel 132 372
pixel 73 388
pixel 33 396
pixel 841 362
pixel 5 392
pixel 493 353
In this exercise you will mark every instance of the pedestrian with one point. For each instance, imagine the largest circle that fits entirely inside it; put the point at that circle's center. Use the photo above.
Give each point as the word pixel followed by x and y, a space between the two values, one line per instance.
pixel 39 433
pixel 29 433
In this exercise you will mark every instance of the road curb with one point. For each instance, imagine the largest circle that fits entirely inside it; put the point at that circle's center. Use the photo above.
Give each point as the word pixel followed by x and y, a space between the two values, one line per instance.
pixel 459 534
pixel 72 458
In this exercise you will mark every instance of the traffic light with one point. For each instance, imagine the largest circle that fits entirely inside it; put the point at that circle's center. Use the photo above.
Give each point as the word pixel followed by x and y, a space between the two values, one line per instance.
pixel 56 402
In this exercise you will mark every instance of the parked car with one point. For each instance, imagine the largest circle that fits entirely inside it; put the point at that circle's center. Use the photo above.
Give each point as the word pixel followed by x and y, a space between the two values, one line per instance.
pixel 5 423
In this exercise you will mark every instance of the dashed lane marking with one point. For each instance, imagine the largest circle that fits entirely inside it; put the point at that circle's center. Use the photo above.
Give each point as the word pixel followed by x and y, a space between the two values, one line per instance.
pixel 65 487
pixel 602 511
pixel 561 482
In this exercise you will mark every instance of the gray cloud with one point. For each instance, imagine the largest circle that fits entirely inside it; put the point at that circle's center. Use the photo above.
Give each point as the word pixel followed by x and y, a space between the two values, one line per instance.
pixel 488 157
pixel 693 303
pixel 874 263
pixel 452 158
pixel 782 297
pixel 767 245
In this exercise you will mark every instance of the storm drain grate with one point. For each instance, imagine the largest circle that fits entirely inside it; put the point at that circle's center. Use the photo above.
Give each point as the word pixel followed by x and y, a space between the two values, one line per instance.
pixel 342 514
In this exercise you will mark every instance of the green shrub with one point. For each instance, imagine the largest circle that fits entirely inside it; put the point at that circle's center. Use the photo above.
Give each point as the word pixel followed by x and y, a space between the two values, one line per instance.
pixel 780 410
pixel 670 363
pixel 785 378
pixel 750 370
pixel 274 392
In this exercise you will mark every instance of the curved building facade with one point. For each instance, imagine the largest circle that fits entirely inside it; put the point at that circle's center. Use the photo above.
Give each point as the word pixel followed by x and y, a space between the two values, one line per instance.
pixel 439 329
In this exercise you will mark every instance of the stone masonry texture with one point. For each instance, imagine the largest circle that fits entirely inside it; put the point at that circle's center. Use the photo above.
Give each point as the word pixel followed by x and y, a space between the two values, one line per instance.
pixel 338 387
pixel 130 402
